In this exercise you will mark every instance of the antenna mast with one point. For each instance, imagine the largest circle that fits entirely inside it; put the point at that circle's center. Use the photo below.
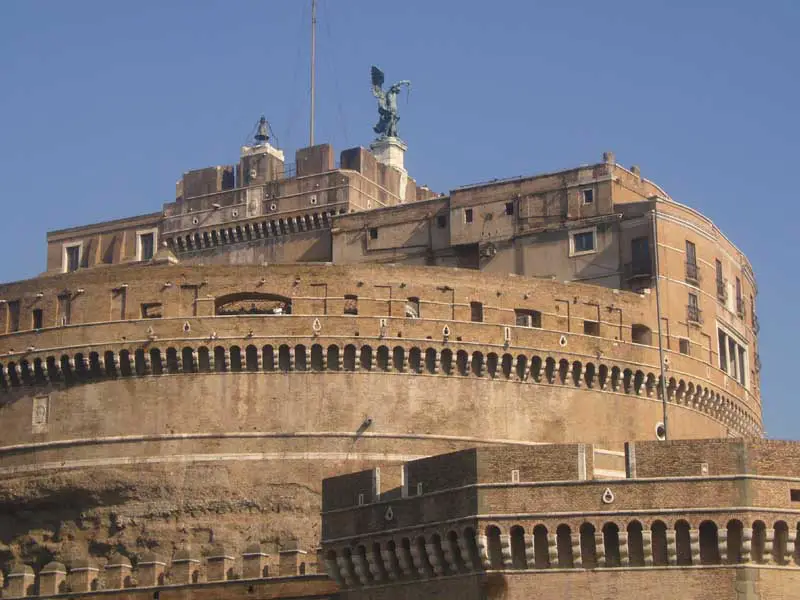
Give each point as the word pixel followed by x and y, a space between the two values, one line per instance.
pixel 313 68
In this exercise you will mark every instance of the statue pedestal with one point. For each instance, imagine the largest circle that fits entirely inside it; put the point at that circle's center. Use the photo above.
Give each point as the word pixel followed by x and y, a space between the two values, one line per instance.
pixel 391 151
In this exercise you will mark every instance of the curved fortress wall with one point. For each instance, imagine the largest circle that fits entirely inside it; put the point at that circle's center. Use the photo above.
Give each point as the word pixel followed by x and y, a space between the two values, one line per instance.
pixel 218 419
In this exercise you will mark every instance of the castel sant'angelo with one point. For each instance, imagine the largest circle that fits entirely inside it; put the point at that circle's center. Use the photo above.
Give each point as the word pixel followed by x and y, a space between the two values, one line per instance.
pixel 323 380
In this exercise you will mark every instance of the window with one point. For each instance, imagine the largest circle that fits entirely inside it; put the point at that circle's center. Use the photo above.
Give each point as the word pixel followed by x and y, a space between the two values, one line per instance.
pixel 413 308
pixel 37 321
pixel 691 262
pixel 641 334
pixel 582 242
pixel 467 215
pixel 72 258
pixel 794 495
pixel 64 309
pixel 683 346
pixel 152 310
pixel 373 233
pixel 441 221
pixel 732 356
pixel 721 291
pixel 146 246
pixel 476 312
pixel 350 304
pixel 588 196
pixel 13 316
pixel 693 309
pixel 591 328
pixel 739 299
pixel 509 208
pixel 524 317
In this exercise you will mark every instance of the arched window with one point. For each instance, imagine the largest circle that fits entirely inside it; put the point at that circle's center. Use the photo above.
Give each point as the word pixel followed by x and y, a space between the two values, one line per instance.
pixel 333 358
pixel 300 358
pixel 709 543
pixel 350 357
pixel 473 558
pixel 268 358
pixel 366 358
pixel 658 530
pixel 415 360
pixel 398 358
pixel 641 334
pixel 460 562
pixel 494 547
pixel 518 558
pixel 412 308
pixel 251 358
pixel 611 545
pixel 284 358
pixel 446 361
pixel 316 357
pixel 430 360
pixel 139 362
pixel 588 546
pixel 382 358
pixel 522 367
pixel 462 363
pixel 780 543
pixel 759 541
pixel 252 303
pixel 236 359
pixel 541 547
pixel 491 364
pixel 172 361
pixel 635 544
pixel 477 364
pixel 203 359
pixel 564 547
pixel 683 543
pixel 735 534
pixel 187 360
pixel 220 365
pixel 155 361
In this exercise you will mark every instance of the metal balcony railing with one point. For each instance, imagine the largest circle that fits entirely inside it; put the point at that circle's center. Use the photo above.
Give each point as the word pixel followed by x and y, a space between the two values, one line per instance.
pixel 693 314
pixel 692 272
pixel 638 269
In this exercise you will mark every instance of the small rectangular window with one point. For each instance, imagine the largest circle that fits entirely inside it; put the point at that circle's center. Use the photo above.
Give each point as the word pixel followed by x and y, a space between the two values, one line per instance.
pixel 693 309
pixel 37 321
pixel 591 328
pixel 509 208
pixel 588 196
pixel 691 253
pixel 13 315
pixel 419 489
pixel 441 221
pixel 73 258
pixel 794 495
pixel 723 351
pixel 64 309
pixel 146 245
pixel 467 215
pixel 515 476
pixel 351 304
pixel 361 499
pixel 524 317
pixel 373 233
pixel 583 242
pixel 152 310
pixel 683 346
pixel 476 312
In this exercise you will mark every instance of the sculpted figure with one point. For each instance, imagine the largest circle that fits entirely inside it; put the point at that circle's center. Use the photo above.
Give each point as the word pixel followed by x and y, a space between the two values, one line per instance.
pixel 387 104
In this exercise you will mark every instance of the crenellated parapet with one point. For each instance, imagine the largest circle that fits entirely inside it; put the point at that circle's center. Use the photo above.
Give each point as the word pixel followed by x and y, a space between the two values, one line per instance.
pixel 149 570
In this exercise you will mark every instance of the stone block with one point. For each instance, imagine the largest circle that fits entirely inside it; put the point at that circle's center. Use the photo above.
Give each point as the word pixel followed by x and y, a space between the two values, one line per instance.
pixel 254 562
pixel 52 579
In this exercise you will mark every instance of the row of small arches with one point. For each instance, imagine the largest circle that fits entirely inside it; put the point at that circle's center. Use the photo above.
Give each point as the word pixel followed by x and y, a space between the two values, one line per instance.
pixel 82 367
pixel 589 547
pixel 251 231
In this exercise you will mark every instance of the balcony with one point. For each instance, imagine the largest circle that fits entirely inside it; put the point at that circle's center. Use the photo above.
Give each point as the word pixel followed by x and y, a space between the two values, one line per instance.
pixel 694 314
pixel 692 273
pixel 638 269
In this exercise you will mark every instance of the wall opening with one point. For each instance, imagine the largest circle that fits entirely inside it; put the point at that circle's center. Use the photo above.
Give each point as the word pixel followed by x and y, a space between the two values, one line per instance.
pixel 252 303
pixel 641 334
pixel 350 304
pixel 564 547
pixel 476 312
pixel 494 547
pixel 611 545
pixel 709 543
pixel 518 559
pixel 635 544
pixel 541 548
pixel 734 542
pixel 683 544
pixel 658 531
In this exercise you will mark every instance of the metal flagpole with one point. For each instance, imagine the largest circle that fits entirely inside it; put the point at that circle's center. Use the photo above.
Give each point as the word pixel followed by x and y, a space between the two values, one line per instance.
pixel 313 68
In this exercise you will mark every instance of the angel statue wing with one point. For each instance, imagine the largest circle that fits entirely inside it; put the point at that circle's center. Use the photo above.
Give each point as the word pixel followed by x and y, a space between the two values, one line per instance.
pixel 377 77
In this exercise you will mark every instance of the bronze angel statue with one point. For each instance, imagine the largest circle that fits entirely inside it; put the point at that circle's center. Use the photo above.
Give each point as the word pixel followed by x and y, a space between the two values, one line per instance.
pixel 387 103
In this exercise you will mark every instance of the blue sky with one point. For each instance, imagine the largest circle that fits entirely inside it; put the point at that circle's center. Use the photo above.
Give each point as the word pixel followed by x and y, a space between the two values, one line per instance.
pixel 104 104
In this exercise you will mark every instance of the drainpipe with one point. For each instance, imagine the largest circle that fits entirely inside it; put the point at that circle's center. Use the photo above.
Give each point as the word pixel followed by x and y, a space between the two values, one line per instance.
pixel 654 214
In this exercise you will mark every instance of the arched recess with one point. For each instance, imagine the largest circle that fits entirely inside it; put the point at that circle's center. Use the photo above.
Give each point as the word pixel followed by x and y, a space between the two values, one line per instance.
pixel 382 358
pixel 398 358
pixel 683 543
pixel 446 361
pixel 203 359
pixel 759 541
pixel 473 558
pixel 611 545
pixel 709 543
pixel 641 334
pixel 518 558
pixel 268 358
pixel 564 547
pixel 541 547
pixel 333 358
pixel 635 544
pixel 734 543
pixel 350 357
pixel 780 543
pixel 252 303
pixel 236 359
pixel 588 546
pixel 317 357
pixel 187 360
pixel 658 531
pixel 251 358
pixel 494 547
pixel 300 358
pixel 415 360
pixel 173 365
pixel 460 561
